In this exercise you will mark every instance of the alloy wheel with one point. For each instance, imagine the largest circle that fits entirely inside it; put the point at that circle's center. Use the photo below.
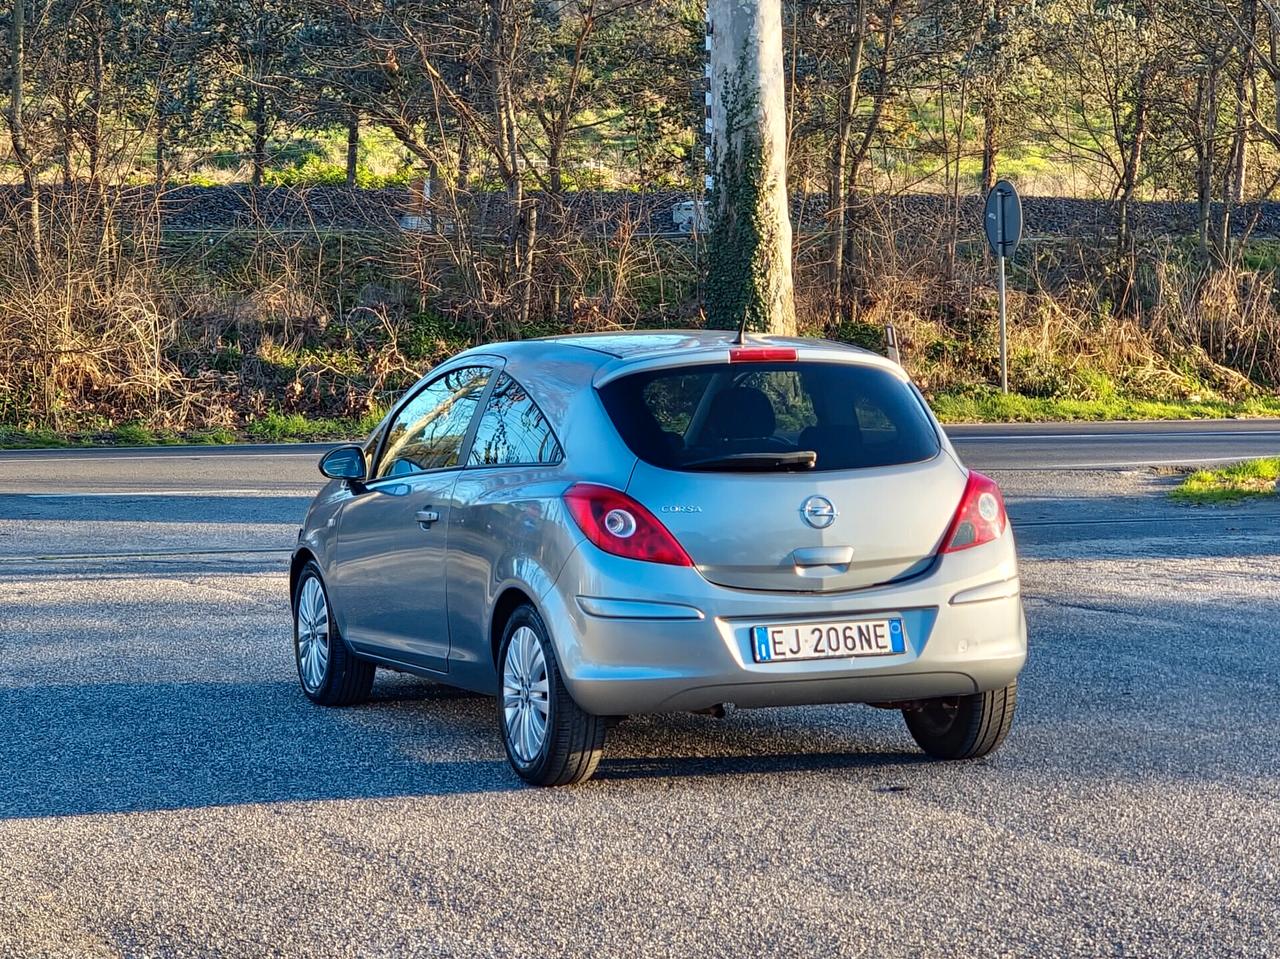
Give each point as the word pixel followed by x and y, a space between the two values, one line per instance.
pixel 525 699
pixel 313 634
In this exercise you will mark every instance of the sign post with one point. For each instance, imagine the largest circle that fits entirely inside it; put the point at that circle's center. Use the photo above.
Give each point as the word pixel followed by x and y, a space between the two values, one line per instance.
pixel 1003 223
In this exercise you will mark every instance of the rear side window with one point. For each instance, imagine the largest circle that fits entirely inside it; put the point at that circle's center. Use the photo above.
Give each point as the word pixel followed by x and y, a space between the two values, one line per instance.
pixel 733 416
pixel 512 430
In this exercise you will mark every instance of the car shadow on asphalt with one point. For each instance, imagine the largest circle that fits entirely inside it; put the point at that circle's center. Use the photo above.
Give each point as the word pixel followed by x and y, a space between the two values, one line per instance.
pixel 680 767
pixel 119 747
pixel 132 747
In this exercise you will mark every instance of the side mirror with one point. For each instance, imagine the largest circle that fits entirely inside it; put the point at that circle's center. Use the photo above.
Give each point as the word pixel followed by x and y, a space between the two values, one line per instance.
pixel 345 463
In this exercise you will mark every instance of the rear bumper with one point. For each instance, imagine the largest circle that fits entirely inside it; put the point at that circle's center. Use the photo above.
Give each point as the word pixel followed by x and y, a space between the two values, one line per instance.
pixel 639 638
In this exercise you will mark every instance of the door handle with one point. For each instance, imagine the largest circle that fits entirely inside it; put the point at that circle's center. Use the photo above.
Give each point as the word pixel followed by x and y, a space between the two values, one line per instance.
pixel 426 517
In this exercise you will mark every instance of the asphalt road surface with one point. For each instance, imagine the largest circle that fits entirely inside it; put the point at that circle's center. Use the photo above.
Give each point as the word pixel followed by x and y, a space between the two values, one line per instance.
pixel 1039 446
pixel 165 790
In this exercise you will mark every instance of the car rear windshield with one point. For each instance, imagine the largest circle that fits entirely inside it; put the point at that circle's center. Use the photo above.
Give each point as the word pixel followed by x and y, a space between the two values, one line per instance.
pixel 770 416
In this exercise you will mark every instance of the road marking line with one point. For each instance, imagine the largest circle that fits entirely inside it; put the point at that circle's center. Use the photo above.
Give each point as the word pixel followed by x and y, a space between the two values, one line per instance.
pixel 1015 437
pixel 48 557
pixel 178 452
pixel 1146 520
pixel 170 492
pixel 1118 466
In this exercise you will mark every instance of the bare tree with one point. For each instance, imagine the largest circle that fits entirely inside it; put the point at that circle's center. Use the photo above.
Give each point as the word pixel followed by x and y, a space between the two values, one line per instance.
pixel 856 29
pixel 19 134
pixel 1107 60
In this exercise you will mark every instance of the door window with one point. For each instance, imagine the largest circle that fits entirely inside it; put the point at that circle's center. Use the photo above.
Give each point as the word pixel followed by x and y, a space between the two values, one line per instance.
pixel 427 432
pixel 512 430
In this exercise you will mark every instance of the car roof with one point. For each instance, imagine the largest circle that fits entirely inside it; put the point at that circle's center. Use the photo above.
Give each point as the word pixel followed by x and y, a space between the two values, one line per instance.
pixel 628 344
pixel 609 354
pixel 595 359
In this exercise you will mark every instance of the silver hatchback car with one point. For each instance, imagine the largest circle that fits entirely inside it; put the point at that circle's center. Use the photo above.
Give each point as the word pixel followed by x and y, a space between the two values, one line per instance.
pixel 595 526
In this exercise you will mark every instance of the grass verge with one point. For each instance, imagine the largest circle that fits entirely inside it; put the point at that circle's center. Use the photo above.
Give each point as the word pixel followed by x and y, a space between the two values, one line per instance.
pixel 271 428
pixel 1229 484
pixel 296 428
pixel 1014 408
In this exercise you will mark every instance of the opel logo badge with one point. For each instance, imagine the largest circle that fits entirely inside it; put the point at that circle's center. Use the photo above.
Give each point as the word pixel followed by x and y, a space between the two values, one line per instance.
pixel 818 512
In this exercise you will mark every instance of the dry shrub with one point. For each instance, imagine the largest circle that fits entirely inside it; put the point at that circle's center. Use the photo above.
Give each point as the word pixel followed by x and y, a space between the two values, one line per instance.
pixel 101 325
pixel 84 324
pixel 1185 333
pixel 1228 313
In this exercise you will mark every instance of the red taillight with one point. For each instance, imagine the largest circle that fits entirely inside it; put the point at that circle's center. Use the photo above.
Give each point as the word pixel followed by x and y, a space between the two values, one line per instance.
pixel 761 354
pixel 617 524
pixel 979 519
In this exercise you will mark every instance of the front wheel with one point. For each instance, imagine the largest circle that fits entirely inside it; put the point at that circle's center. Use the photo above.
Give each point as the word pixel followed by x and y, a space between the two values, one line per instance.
pixel 549 739
pixel 963 727
pixel 330 674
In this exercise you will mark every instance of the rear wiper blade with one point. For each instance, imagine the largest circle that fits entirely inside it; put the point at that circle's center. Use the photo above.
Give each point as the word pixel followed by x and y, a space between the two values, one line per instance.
pixel 757 462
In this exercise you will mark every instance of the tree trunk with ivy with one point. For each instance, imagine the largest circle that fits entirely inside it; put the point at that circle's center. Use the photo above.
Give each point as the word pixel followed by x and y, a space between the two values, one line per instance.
pixel 749 249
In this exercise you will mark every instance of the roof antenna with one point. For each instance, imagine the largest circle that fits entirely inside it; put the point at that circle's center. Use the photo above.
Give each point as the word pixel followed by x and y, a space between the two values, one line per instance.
pixel 742 330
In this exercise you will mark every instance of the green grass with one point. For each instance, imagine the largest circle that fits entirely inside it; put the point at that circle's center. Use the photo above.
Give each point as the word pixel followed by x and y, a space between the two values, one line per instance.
pixel 318 172
pixel 218 436
pixel 271 428
pixel 139 434
pixel 12 438
pixel 1230 484
pixel 295 428
pixel 992 407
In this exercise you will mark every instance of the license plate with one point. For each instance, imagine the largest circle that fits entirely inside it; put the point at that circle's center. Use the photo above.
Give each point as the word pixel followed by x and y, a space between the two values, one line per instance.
pixel 841 640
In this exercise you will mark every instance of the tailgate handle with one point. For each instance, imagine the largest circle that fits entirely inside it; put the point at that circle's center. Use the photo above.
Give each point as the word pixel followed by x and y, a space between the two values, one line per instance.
pixel 823 556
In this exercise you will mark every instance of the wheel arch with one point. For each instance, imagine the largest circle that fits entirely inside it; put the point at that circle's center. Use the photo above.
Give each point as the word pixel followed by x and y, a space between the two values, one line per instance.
pixel 300 558
pixel 511 598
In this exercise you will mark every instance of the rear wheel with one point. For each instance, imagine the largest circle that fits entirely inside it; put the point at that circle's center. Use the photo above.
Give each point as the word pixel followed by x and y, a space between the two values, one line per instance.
pixel 963 727
pixel 549 739
pixel 328 671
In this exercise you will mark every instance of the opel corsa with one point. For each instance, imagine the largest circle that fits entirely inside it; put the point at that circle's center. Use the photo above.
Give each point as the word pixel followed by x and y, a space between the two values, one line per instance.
pixel 595 526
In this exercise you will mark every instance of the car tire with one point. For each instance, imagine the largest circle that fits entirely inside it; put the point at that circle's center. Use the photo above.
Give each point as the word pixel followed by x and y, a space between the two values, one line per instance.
pixel 963 727
pixel 330 674
pixel 533 699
